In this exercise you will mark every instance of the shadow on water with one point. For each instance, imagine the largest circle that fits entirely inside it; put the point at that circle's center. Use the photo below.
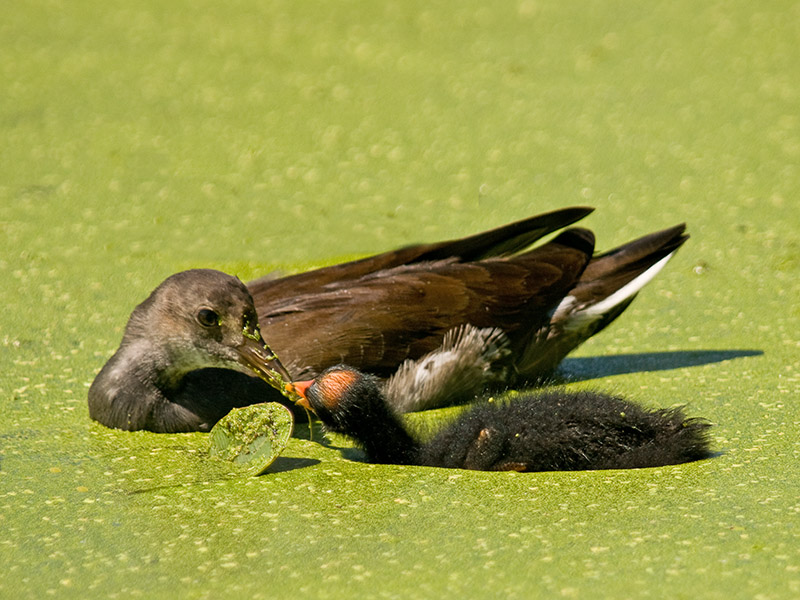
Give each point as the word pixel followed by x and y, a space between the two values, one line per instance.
pixel 596 367
pixel 290 463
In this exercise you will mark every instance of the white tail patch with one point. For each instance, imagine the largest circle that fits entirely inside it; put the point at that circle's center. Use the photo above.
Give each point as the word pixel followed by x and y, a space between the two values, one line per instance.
pixel 594 311
pixel 629 289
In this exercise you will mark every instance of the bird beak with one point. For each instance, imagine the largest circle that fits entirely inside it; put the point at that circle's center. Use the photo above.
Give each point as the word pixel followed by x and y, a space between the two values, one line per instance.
pixel 257 356
pixel 297 389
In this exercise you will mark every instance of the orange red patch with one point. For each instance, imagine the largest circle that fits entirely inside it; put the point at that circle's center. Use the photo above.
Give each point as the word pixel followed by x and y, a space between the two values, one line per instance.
pixel 334 386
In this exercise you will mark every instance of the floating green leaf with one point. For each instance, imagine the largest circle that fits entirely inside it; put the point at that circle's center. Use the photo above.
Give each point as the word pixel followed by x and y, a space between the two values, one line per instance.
pixel 252 436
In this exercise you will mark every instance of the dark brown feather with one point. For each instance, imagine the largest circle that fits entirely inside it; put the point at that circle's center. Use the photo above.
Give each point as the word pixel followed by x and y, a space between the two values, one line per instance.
pixel 501 241
pixel 378 320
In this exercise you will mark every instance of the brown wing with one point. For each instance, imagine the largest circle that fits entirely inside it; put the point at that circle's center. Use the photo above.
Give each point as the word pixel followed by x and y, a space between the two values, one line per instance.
pixel 378 320
pixel 502 241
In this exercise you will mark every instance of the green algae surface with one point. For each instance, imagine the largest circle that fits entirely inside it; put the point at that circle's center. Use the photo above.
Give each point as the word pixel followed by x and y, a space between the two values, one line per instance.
pixel 142 139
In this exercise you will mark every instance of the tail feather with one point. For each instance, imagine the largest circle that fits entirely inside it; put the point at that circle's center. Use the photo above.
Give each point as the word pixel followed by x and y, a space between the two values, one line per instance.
pixel 607 286
pixel 613 270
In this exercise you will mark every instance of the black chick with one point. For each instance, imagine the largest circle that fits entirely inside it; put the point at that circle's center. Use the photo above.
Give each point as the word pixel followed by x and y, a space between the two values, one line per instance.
pixel 550 431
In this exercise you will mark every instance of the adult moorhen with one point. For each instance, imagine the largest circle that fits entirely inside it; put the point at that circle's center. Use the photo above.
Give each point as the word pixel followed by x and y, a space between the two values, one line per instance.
pixel 480 309
pixel 550 431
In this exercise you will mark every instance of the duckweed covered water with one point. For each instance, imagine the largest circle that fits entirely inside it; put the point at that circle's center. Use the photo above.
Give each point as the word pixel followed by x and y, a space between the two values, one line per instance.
pixel 143 139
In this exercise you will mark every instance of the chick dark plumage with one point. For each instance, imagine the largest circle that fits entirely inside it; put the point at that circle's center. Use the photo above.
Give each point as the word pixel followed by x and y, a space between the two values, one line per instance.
pixel 550 431
pixel 566 431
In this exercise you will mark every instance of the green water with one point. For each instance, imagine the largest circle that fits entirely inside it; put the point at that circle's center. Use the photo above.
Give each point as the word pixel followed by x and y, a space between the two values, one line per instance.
pixel 142 139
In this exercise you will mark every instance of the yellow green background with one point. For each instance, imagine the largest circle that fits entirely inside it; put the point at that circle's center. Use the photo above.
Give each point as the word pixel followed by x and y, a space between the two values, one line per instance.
pixel 141 138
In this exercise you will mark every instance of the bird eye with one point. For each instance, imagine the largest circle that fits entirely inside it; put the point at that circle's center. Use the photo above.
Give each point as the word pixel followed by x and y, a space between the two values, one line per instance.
pixel 207 317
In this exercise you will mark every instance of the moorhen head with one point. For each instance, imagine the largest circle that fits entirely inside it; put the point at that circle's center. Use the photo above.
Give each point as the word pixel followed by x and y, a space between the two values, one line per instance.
pixel 551 431
pixel 186 358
